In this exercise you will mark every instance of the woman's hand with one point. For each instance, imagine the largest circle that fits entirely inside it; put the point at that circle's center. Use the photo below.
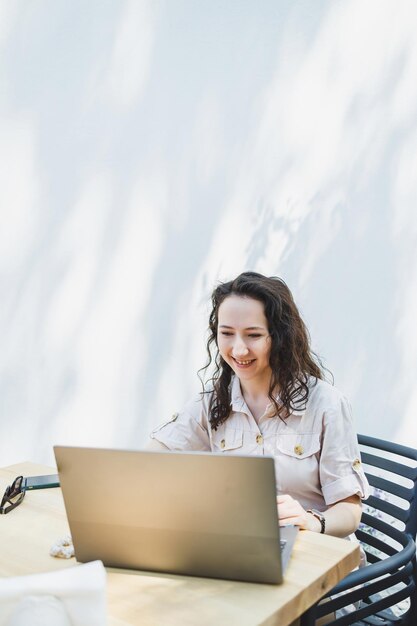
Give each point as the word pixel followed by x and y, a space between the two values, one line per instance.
pixel 342 518
pixel 290 511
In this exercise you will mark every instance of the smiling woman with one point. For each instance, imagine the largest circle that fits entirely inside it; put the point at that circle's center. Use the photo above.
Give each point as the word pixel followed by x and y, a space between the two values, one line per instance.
pixel 267 396
pixel 268 329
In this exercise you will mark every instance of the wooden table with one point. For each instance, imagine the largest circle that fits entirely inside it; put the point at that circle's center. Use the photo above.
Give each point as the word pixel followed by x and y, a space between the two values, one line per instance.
pixel 148 599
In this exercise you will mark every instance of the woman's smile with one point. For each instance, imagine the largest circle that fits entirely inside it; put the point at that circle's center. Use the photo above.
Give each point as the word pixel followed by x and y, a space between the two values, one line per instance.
pixel 241 363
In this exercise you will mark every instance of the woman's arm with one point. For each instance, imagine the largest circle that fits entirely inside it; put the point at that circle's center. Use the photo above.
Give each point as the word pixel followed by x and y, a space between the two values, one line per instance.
pixel 342 518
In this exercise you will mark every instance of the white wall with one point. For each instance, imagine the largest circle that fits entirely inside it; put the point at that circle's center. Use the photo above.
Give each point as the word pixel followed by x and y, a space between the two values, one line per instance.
pixel 148 149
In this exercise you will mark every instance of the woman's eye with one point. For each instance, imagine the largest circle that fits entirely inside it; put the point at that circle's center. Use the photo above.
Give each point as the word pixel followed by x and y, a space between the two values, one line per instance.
pixel 225 333
pixel 254 335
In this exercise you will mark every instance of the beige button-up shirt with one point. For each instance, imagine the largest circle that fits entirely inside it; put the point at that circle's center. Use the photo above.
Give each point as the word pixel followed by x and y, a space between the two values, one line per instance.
pixel 316 453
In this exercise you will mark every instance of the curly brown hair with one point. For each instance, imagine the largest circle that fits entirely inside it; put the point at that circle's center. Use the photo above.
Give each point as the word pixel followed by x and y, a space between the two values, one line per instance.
pixel 291 359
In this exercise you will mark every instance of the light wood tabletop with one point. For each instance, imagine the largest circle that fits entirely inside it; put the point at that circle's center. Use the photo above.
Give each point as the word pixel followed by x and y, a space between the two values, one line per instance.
pixel 318 562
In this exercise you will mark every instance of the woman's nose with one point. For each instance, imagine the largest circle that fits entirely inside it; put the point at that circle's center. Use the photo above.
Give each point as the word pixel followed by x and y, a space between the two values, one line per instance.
pixel 239 347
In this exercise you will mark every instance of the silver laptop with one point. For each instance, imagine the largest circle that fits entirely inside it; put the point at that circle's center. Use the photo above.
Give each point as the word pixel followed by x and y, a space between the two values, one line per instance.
pixel 190 513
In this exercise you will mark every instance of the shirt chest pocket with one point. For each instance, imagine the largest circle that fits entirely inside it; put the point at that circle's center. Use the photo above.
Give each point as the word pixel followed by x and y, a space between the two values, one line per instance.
pixel 298 445
pixel 227 440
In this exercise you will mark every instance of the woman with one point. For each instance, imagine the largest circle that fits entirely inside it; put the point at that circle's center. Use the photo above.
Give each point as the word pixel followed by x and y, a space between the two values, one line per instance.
pixel 268 396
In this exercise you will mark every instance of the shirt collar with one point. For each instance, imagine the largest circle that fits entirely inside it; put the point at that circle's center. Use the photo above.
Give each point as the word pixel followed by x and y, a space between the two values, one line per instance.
pixel 237 401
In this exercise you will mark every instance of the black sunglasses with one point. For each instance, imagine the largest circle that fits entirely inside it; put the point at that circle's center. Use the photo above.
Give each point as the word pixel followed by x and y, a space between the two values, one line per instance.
pixel 13 496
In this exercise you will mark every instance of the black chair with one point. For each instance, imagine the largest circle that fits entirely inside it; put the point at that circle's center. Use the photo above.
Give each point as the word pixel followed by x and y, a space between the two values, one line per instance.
pixel 384 593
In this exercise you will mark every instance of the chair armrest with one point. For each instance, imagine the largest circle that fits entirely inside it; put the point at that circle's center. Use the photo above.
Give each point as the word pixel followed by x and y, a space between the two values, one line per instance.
pixel 375 570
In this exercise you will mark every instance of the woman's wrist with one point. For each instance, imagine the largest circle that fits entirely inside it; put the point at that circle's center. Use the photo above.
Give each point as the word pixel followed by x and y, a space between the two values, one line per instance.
pixel 313 523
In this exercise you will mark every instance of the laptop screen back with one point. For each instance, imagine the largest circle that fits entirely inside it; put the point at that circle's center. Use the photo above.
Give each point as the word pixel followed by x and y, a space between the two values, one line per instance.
pixel 198 514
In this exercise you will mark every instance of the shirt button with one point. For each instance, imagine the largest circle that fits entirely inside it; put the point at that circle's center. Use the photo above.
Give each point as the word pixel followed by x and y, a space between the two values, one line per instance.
pixel 356 464
pixel 259 439
pixel 298 449
pixel 222 443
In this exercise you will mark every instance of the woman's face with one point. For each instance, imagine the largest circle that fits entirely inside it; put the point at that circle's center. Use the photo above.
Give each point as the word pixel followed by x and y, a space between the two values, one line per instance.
pixel 243 338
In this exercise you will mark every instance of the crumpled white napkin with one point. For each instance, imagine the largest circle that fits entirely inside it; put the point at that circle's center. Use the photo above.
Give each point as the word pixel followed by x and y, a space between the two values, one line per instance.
pixel 74 596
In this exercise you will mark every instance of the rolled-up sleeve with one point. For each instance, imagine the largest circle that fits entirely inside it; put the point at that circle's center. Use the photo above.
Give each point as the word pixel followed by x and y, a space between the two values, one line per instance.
pixel 341 471
pixel 186 430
